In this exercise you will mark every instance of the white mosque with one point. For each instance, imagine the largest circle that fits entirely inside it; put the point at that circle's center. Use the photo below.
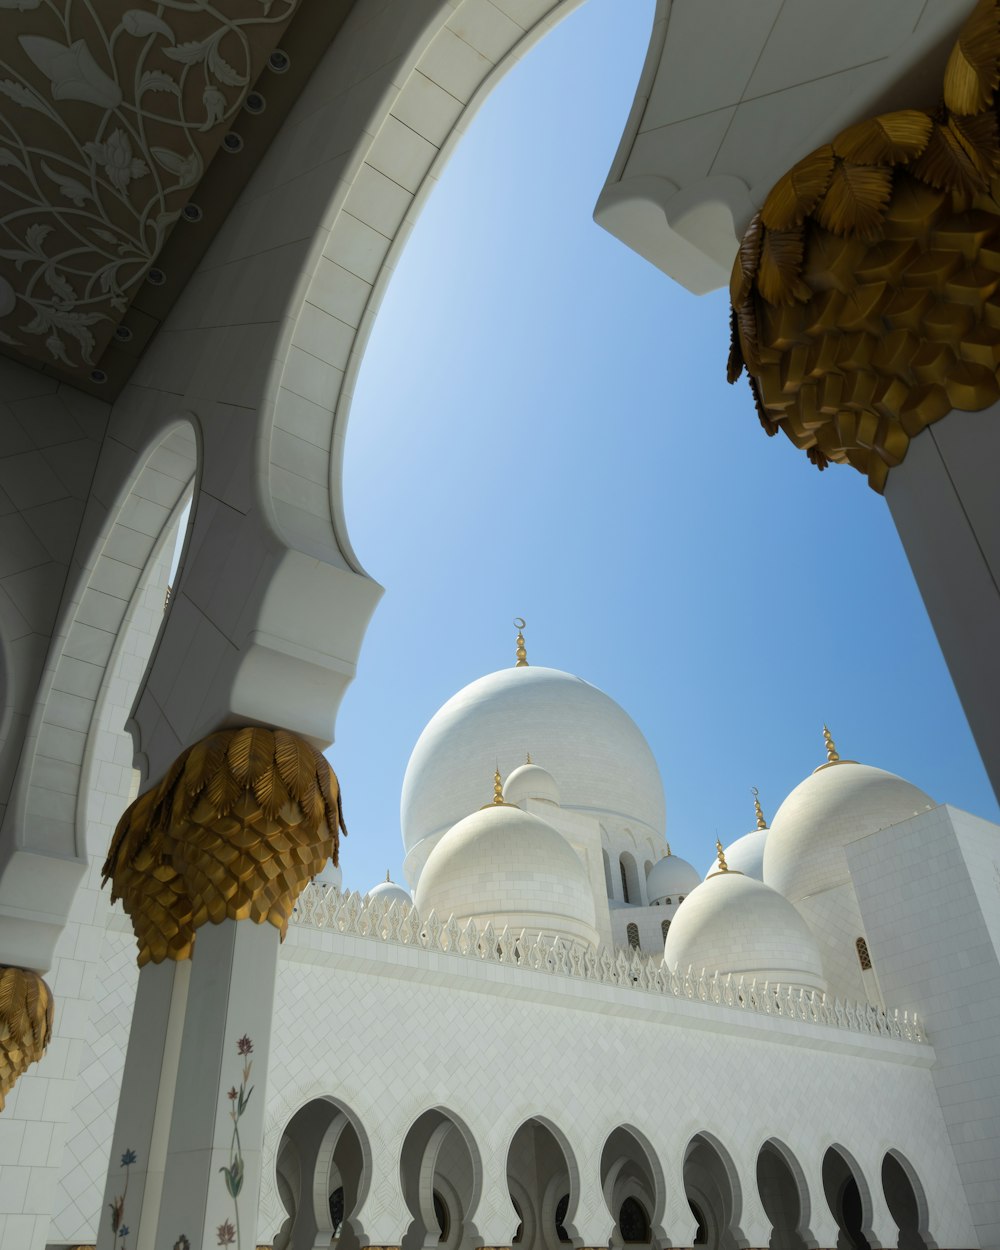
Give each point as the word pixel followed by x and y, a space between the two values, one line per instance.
pixel 559 1034
pixel 566 1035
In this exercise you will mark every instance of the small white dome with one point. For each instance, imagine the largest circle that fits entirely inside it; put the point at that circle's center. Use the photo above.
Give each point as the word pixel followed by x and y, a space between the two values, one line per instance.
pixel 735 924
pixel 507 867
pixel 388 892
pixel 746 854
pixel 530 782
pixel 603 762
pixel 331 875
pixel 833 807
pixel 669 877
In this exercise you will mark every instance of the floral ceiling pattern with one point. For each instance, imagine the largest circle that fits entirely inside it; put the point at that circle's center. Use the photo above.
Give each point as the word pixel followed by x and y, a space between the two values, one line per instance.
pixel 109 116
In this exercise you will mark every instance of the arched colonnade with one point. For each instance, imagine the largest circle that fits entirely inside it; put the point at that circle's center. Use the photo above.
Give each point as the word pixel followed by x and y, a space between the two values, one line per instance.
pixel 326 1170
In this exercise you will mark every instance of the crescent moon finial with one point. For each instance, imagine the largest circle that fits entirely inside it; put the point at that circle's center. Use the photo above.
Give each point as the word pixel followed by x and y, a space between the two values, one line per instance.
pixel 522 654
pixel 758 811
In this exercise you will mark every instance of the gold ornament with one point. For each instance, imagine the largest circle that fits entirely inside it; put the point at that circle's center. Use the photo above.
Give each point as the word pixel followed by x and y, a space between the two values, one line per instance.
pixel 866 292
pixel 25 1024
pixel 239 825
pixel 761 822
pixel 521 653
pixel 832 757
pixel 723 866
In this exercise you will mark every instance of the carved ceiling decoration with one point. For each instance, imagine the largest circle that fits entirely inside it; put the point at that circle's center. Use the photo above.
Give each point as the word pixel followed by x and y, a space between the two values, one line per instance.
pixel 126 133
pixel 865 292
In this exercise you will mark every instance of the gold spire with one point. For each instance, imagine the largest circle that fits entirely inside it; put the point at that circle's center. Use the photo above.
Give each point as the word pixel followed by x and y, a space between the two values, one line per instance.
pixel 528 758
pixel 497 789
pixel 723 866
pixel 387 874
pixel 669 851
pixel 831 751
pixel 761 822
pixel 522 655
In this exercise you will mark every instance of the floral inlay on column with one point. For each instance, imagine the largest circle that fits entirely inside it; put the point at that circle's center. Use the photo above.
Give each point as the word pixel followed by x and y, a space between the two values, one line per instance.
pixel 228 1234
pixel 119 1229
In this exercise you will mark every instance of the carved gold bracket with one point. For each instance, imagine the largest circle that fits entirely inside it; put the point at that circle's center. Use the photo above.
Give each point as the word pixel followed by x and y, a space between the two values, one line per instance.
pixel 239 825
pixel 865 292
pixel 25 1024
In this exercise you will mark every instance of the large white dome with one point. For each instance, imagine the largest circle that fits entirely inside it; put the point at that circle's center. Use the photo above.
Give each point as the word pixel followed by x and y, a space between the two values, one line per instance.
pixel 670 877
pixel 508 867
pixel 746 854
pixel 389 892
pixel 835 806
pixel 592 748
pixel 732 923
pixel 530 782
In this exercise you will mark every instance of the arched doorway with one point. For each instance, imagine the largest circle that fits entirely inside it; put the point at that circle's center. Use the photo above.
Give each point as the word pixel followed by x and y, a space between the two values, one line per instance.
pixel 712 1190
pixel 440 1171
pixel 904 1196
pixel 541 1178
pixel 847 1195
pixel 321 1177
pixel 632 1187
pixel 783 1195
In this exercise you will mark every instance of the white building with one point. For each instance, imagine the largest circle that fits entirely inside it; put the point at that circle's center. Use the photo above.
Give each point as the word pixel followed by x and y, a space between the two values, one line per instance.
pixel 513 1057
pixel 202 213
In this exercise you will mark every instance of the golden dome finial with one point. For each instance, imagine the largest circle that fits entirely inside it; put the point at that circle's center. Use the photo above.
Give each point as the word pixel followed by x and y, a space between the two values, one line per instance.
pixel 831 751
pixel 498 790
pixel 669 851
pixel 387 874
pixel 528 758
pixel 723 866
pixel 522 654
pixel 761 822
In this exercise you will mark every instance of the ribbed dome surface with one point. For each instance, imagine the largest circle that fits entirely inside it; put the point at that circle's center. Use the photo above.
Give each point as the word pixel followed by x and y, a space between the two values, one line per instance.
pixel 732 923
pixel 507 867
pixel 669 877
pixel 593 749
pixel 832 808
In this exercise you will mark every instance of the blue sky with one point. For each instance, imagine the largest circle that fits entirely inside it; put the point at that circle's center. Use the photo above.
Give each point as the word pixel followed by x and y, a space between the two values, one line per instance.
pixel 542 427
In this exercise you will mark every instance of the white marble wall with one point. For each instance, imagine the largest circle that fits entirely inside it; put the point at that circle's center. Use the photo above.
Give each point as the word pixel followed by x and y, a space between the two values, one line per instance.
pixel 929 891
pixel 391 1031
pixel 56 1128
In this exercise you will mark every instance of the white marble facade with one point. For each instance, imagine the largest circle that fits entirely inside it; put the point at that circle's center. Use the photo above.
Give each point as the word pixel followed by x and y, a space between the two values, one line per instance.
pixel 418 1058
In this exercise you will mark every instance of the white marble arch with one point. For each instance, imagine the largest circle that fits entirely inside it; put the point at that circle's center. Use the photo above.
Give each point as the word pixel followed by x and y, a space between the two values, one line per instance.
pixel 711 1180
pixel 306 1171
pixel 789 1175
pixel 265 343
pixel 630 1168
pixel 44 844
pixel 439 1155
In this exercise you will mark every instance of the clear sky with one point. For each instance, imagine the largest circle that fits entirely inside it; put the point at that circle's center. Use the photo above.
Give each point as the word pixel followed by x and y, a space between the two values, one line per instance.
pixel 542 427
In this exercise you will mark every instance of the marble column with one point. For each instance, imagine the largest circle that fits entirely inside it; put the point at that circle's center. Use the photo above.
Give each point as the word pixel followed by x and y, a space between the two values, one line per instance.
pixel 209 864
pixel 142 1126
pixel 213 1161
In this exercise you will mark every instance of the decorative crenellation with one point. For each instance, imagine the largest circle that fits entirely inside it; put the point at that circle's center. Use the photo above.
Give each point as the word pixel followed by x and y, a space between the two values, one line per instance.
pixel 350 913
pixel 864 293
pixel 242 821
pixel 26 1008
